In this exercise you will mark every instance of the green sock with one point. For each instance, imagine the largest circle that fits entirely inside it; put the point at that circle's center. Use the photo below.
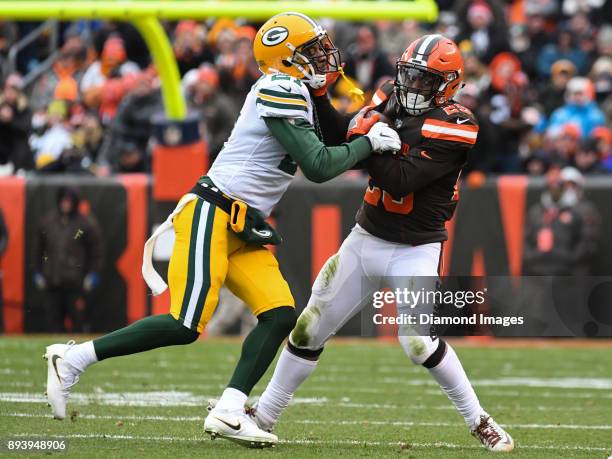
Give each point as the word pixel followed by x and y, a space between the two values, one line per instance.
pixel 260 347
pixel 146 334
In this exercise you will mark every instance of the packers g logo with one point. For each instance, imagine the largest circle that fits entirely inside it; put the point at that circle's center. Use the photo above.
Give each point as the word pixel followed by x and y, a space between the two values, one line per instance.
pixel 274 36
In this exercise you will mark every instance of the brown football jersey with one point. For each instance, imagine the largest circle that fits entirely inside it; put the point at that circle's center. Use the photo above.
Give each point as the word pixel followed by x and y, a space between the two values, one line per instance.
pixel 411 195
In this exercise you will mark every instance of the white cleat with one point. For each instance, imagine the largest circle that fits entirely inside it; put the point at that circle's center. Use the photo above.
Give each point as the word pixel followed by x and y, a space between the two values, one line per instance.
pixel 61 376
pixel 492 436
pixel 238 427
pixel 250 411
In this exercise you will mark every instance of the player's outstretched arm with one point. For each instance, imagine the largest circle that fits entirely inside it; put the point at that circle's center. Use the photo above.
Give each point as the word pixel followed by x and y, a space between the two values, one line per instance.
pixel 318 162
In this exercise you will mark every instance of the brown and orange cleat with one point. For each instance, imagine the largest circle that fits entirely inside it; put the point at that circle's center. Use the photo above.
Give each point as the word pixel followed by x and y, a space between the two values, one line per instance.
pixel 492 436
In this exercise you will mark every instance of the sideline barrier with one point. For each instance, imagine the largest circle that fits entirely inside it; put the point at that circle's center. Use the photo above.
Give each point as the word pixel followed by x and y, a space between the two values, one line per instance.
pixel 486 236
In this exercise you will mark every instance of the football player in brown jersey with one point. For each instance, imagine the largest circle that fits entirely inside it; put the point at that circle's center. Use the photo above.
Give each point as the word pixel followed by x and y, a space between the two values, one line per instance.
pixel 399 229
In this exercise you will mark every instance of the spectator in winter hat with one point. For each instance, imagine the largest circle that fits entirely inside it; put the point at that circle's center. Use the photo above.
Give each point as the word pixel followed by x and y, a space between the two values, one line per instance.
pixel 551 96
pixel 190 46
pixel 365 62
pixel 604 41
pixel 66 90
pixel 15 125
pixel 579 107
pixel 68 68
pixel 587 159
pixel 603 136
pixel 565 143
pixel 113 63
pixel 484 25
pixel 564 48
pixel 217 111
pixel 56 138
pixel 601 75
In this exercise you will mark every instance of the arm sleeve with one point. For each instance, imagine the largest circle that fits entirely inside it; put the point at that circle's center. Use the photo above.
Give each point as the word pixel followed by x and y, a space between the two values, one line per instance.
pixel 401 175
pixel 333 124
pixel 318 162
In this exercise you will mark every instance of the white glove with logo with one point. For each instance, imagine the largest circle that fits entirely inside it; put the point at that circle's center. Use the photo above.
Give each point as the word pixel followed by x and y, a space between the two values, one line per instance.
pixel 383 138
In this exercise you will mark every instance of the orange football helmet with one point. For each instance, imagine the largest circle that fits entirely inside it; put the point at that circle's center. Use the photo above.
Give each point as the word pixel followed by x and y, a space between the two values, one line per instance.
pixel 428 74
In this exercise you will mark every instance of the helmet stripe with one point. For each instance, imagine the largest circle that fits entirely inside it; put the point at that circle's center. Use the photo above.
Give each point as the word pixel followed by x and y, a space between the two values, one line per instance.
pixel 427 45
pixel 416 47
pixel 303 16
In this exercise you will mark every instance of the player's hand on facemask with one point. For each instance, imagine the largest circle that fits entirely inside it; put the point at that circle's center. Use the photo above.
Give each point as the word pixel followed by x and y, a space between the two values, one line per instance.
pixel 383 138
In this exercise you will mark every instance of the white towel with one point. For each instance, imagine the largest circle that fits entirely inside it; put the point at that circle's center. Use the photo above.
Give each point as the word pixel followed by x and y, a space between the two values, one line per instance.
pixel 155 282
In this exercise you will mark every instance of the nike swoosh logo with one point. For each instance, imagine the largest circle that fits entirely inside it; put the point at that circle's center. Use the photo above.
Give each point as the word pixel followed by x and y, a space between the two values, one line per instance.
pixel 264 233
pixel 288 90
pixel 54 362
pixel 462 121
pixel 425 155
pixel 231 426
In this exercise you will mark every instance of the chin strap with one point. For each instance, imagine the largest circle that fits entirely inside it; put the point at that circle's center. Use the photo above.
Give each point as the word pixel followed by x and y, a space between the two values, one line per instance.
pixel 317 81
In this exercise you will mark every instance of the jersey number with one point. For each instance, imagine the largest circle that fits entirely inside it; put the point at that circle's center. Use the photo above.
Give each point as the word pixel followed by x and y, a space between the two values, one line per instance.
pixel 454 109
pixel 280 77
pixel 403 206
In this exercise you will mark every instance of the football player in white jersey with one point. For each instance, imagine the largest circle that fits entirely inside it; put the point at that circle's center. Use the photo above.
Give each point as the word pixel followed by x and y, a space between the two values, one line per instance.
pixel 221 230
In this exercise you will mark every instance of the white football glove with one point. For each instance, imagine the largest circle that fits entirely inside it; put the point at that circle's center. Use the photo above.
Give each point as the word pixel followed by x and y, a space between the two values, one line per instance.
pixel 383 138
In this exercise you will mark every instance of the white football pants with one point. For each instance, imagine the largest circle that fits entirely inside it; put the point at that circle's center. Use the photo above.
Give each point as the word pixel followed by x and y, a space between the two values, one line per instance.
pixel 364 264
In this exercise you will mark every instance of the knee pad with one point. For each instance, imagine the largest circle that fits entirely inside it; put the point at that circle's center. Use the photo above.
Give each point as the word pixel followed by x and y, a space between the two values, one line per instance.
pixel 306 328
pixel 419 348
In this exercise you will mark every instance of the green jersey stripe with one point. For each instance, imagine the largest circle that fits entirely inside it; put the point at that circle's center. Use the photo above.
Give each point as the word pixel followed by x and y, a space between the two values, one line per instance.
pixel 208 232
pixel 192 255
pixel 281 105
pixel 286 95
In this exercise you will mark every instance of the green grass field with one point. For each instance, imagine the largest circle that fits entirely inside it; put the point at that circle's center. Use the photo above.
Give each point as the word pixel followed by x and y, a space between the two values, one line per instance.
pixel 364 400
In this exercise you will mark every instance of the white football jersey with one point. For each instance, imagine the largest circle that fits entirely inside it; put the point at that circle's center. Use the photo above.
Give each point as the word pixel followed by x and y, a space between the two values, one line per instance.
pixel 253 166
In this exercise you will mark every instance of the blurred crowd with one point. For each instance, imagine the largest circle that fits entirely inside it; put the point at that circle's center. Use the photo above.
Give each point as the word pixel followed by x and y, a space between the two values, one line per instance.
pixel 538 76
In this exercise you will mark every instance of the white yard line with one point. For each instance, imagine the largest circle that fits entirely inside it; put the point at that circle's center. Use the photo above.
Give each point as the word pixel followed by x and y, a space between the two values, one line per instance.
pixel 525 391
pixel 318 422
pixel 328 442
pixel 184 398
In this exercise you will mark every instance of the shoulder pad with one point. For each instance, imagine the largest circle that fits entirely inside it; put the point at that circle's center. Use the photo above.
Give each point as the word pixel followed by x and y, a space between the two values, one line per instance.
pixel 452 122
pixel 382 94
pixel 282 96
pixel 453 112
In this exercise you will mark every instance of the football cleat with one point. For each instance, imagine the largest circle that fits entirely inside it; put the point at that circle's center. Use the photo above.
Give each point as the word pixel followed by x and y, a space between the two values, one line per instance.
pixel 492 436
pixel 61 376
pixel 250 411
pixel 237 426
